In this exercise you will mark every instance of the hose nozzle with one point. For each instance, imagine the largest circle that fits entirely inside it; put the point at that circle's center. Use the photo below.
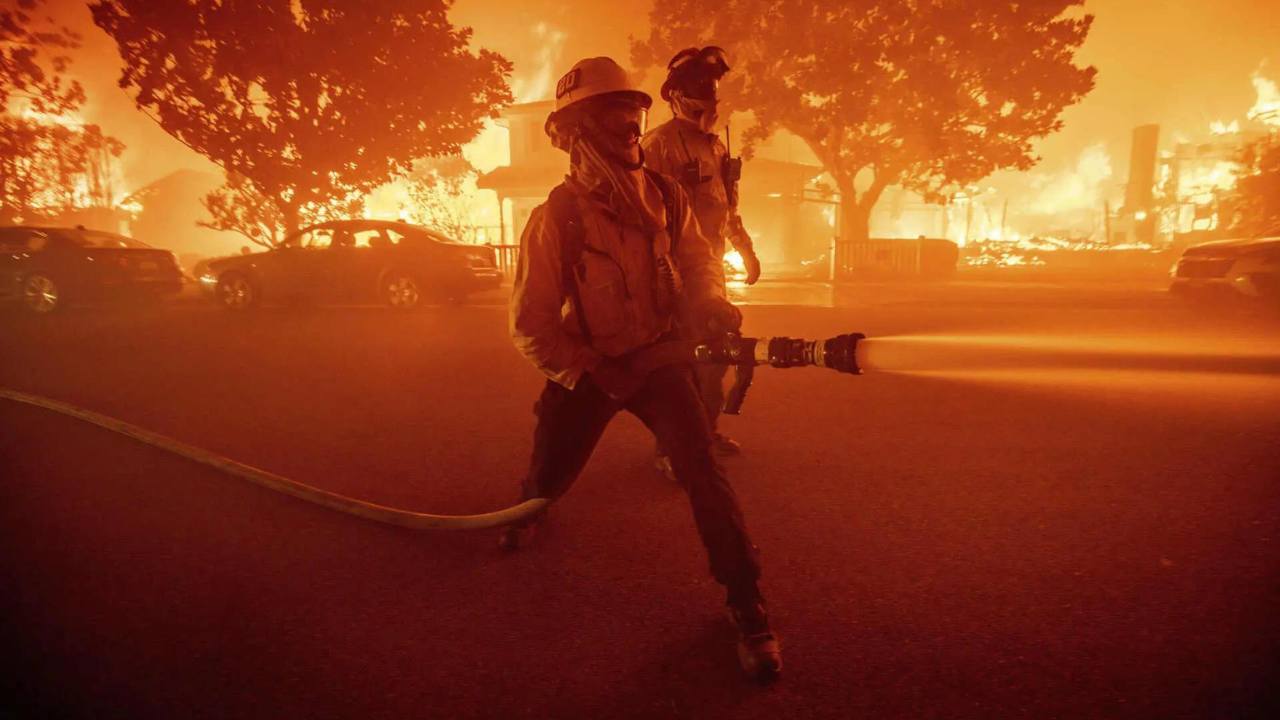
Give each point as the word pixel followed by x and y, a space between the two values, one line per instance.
pixel 839 353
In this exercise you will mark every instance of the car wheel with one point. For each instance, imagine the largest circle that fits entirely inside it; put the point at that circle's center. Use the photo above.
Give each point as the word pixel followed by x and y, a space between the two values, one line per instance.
pixel 40 294
pixel 401 291
pixel 236 292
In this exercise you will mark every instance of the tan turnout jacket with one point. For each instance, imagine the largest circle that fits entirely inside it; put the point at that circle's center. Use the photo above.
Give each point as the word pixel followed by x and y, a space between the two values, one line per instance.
pixel 674 144
pixel 616 280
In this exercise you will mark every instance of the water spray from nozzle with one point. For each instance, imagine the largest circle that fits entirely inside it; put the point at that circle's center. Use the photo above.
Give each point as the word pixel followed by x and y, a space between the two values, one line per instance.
pixel 941 354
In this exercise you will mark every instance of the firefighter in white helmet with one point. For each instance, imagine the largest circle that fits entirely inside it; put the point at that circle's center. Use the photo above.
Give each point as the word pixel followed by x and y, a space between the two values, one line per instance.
pixel 606 265
pixel 687 148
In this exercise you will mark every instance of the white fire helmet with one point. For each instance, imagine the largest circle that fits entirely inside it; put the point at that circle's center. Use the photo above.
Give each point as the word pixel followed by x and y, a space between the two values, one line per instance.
pixel 592 78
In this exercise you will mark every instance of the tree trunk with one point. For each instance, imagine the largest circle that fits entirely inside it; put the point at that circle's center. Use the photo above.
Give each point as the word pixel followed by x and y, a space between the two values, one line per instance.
pixel 855 210
pixel 855 220
pixel 289 215
pixel 855 223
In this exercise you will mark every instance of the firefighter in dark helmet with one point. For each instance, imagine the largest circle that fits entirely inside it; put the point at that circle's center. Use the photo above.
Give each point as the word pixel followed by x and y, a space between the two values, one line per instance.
pixel 688 148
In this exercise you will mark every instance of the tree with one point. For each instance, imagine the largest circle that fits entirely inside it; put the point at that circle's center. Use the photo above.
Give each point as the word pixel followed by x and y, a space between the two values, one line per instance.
pixel 48 167
pixel 50 162
pixel 1256 200
pixel 441 195
pixel 237 206
pixel 927 94
pixel 32 64
pixel 310 101
pixel 82 165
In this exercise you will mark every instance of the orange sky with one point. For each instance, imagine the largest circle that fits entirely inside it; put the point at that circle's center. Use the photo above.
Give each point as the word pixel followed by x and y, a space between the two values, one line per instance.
pixel 1180 63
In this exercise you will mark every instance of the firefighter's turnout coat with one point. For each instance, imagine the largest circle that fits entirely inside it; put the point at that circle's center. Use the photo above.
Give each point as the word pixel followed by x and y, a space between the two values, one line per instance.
pixel 616 280
pixel 680 149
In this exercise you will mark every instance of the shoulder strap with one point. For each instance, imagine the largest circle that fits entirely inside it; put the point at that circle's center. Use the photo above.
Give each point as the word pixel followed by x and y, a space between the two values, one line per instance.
pixel 669 202
pixel 567 220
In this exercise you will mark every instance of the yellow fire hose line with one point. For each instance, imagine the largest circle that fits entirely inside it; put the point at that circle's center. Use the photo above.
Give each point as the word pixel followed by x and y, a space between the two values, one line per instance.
pixel 334 501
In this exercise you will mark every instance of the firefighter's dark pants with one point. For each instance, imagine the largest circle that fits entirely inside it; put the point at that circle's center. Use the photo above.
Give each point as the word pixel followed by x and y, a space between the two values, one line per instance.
pixel 570 423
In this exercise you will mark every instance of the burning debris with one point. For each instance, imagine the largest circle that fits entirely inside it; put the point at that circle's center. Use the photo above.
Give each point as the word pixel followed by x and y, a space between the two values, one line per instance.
pixel 1043 251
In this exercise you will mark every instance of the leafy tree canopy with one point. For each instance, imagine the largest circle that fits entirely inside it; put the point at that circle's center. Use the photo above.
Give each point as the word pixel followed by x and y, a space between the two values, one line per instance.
pixel 1257 196
pixel 309 100
pixel 48 168
pixel 442 196
pixel 50 162
pixel 33 62
pixel 923 93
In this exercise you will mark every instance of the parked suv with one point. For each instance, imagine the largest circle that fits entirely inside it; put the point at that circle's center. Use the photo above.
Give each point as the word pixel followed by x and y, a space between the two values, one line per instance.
pixel 1243 268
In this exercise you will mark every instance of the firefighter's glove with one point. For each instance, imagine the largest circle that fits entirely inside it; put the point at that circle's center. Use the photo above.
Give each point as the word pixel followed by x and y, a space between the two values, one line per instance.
pixel 713 317
pixel 614 379
pixel 752 263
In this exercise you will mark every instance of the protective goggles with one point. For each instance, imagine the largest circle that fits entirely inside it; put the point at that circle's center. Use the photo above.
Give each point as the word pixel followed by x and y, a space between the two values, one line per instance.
pixel 710 58
pixel 620 118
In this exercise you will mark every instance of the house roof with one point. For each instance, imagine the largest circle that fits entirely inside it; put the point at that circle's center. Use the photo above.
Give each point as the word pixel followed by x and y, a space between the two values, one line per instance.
pixel 539 109
pixel 177 183
pixel 516 180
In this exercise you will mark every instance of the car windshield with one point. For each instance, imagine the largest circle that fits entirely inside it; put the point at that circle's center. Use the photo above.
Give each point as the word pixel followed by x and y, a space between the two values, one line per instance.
pixel 99 239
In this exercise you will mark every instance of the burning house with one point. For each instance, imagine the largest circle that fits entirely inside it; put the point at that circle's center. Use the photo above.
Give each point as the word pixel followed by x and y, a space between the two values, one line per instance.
pixel 1197 180
pixel 58 169
pixel 1184 195
pixel 167 213
pixel 535 167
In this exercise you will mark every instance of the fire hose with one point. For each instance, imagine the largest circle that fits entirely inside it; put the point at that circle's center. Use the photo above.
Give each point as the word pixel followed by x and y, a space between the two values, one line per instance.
pixel 743 353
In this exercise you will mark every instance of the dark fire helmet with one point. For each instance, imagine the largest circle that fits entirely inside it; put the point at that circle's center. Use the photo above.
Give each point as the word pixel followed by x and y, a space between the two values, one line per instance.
pixel 695 71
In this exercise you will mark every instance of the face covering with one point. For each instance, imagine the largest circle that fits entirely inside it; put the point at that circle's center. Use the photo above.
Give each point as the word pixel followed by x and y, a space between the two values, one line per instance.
pixel 635 200
pixel 697 111
pixel 606 154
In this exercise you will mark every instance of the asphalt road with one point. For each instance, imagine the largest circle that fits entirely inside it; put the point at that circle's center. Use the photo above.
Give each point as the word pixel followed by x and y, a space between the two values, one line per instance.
pixel 1027 541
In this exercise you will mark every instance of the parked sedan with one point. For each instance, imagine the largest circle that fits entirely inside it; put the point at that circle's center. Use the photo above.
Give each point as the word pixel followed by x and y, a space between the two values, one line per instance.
pixel 42 268
pixel 394 263
pixel 1246 268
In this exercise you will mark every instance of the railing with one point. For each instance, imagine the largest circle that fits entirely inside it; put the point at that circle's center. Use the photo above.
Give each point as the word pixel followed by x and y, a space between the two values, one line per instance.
pixel 889 256
pixel 508 256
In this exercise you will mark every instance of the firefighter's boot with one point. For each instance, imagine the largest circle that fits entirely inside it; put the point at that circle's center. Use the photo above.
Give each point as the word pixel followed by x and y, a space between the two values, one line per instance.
pixel 759 650
pixel 725 446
